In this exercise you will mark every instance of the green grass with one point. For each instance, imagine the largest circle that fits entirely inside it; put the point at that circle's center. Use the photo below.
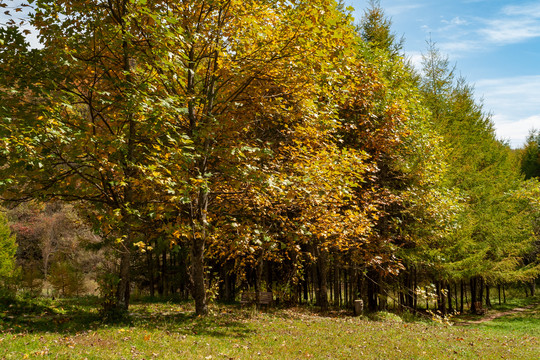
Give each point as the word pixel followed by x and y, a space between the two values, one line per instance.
pixel 72 329
pixel 525 322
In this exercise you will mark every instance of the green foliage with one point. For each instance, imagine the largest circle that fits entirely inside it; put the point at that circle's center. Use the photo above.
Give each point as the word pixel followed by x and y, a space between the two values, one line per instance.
pixel 66 278
pixel 8 249
pixel 530 156
pixel 491 237
pixel 375 29
pixel 249 134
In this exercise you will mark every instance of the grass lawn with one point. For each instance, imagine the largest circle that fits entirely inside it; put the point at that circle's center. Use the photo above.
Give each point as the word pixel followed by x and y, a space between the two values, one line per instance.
pixel 72 329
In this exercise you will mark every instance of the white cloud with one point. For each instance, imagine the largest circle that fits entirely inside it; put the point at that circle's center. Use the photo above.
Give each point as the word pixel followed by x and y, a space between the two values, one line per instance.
pixel 516 23
pixel 514 105
pixel 401 9
pixel 456 49
pixel 415 58
pixel 527 10
pixel 510 31
pixel 515 132
pixel 456 21
pixel 513 24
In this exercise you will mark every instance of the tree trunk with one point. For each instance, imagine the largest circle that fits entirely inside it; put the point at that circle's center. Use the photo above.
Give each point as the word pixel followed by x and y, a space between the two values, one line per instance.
pixel 480 290
pixel 164 272
pixel 462 297
pixel 450 305
pixel 372 290
pixel 415 286
pixel 441 297
pixel 345 288
pixel 197 274
pixel 409 292
pixel 322 278
pixel 305 288
pixel 198 221
pixel 123 290
pixel 473 295
pixel 151 280
pixel 456 296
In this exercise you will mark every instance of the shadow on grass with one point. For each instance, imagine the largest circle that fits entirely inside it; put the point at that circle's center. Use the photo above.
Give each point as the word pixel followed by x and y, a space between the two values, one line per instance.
pixel 70 316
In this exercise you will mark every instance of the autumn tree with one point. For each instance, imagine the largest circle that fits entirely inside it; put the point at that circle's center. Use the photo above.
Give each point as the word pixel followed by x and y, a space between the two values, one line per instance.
pixel 73 110
pixel 143 109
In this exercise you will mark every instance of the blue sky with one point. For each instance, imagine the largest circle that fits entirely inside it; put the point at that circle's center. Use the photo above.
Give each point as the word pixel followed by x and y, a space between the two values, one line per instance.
pixel 495 45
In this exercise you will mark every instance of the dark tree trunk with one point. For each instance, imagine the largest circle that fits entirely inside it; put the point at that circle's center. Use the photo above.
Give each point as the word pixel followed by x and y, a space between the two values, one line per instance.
pixel 161 279
pixel 441 297
pixel 473 295
pixel 450 305
pixel 123 292
pixel 345 288
pixel 456 296
pixel 199 222
pixel 151 279
pixel 354 286
pixel 415 286
pixel 409 292
pixel 164 272
pixel 480 294
pixel 322 267
pixel 372 290
pixel 461 306
pixel 305 288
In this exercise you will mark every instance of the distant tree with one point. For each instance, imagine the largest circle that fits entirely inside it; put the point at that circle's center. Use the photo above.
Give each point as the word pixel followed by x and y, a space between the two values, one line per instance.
pixel 530 155
pixel 375 30
pixel 66 277
pixel 8 249
pixel 48 233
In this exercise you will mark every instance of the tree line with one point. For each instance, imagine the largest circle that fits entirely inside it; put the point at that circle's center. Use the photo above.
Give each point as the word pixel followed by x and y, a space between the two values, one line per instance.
pixel 216 145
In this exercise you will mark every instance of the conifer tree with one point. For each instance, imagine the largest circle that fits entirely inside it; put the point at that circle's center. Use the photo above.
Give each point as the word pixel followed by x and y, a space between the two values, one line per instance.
pixel 530 155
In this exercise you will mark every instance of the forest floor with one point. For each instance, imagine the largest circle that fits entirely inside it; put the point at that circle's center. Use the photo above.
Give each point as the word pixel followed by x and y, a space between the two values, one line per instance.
pixel 73 329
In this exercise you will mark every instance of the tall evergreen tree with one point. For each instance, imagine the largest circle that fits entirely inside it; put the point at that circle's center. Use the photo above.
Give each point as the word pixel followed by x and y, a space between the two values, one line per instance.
pixel 376 30
pixel 486 245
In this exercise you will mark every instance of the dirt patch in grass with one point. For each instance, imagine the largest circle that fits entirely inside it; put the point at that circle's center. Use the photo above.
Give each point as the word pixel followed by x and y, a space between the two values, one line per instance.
pixel 492 315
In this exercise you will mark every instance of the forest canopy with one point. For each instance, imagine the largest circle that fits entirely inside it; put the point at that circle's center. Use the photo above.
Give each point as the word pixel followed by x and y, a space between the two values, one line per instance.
pixel 207 146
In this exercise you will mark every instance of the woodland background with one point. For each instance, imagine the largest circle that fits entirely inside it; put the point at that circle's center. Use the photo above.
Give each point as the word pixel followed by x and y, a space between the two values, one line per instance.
pixel 200 148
